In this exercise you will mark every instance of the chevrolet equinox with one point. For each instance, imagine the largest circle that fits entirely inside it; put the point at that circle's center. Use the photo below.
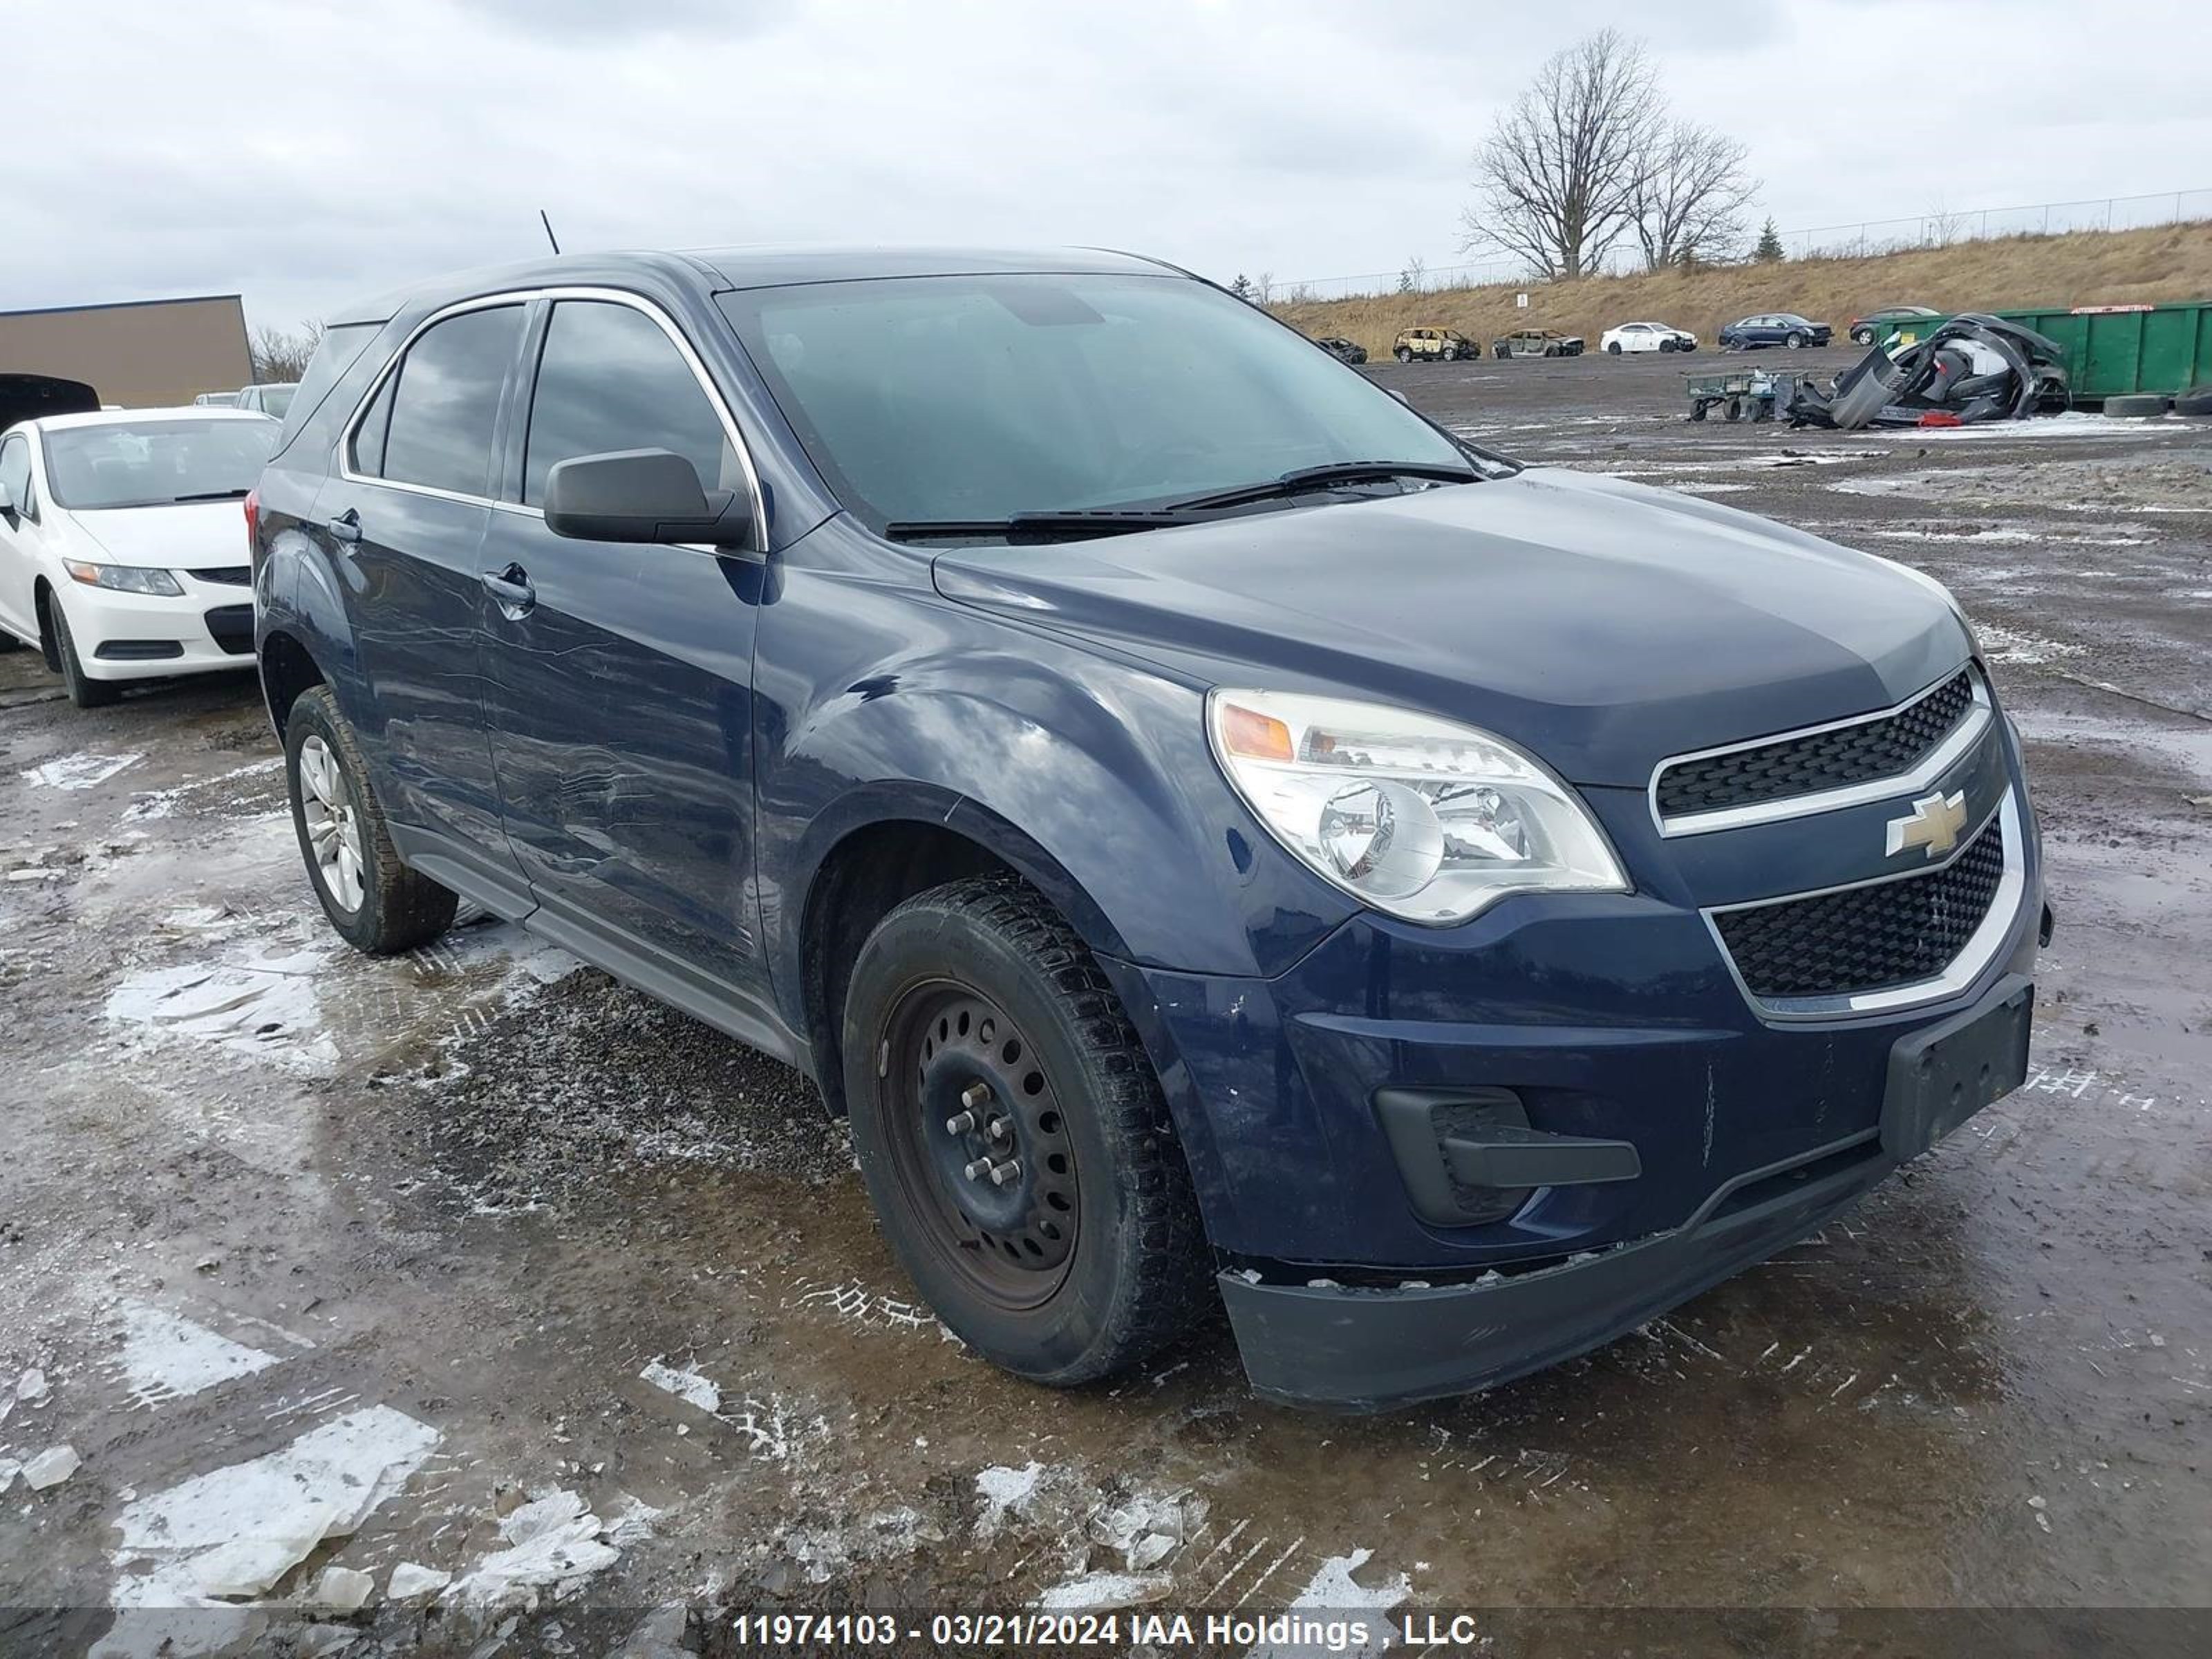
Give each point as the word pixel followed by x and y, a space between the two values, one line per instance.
pixel 1217 837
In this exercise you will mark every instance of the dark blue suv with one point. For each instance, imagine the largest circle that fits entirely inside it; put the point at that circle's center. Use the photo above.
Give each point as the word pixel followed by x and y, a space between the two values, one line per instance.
pixel 1217 837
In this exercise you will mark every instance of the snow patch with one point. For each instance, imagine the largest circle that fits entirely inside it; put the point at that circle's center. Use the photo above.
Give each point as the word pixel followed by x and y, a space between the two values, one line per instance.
pixel 167 1357
pixel 686 1385
pixel 1007 1491
pixel 265 1007
pixel 79 771
pixel 554 1543
pixel 1102 1592
pixel 233 1532
pixel 1333 1589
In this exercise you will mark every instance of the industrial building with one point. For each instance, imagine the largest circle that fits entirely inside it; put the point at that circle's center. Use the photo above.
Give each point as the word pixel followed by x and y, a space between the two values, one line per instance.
pixel 141 353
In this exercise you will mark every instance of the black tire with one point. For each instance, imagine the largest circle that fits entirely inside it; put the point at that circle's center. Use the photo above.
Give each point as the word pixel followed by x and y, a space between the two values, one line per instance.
pixel 2196 401
pixel 1863 336
pixel 400 909
pixel 1404 355
pixel 2135 407
pixel 1793 340
pixel 1095 1257
pixel 83 691
pixel 1735 411
pixel 1667 345
pixel 1614 347
pixel 1698 411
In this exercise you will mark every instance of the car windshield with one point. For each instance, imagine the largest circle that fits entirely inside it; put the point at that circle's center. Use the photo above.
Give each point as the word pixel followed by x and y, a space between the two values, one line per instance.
pixel 274 400
pixel 155 463
pixel 977 398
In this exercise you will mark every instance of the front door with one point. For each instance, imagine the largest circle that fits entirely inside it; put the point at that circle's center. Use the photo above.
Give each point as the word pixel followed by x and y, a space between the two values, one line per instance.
pixel 621 676
pixel 19 532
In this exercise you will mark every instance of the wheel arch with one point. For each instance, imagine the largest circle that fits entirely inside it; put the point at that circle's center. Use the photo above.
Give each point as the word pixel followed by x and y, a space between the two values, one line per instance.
pixel 42 610
pixel 881 853
pixel 288 670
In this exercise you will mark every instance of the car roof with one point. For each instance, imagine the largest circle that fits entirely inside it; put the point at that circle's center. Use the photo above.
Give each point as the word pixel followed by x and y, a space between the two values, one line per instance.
pixel 767 266
pixel 131 416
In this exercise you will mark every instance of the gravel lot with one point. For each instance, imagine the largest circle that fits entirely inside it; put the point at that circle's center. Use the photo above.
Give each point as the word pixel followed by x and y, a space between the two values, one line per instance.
pixel 481 1228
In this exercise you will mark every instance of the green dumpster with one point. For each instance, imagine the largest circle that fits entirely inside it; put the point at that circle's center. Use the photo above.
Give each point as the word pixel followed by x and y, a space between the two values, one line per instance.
pixel 2112 351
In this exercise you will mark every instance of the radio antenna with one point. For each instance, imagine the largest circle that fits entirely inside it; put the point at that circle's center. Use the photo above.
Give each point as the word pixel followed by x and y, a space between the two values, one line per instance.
pixel 548 223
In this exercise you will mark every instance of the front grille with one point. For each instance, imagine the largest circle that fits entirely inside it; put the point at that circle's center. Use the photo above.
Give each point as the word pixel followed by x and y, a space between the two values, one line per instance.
pixel 1881 747
pixel 231 627
pixel 231 575
pixel 1867 938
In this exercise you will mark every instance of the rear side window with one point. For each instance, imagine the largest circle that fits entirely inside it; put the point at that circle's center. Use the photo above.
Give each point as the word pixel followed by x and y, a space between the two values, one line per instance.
pixel 339 349
pixel 610 378
pixel 447 400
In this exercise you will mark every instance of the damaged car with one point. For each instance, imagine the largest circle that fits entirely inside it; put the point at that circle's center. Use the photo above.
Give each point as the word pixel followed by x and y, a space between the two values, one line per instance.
pixel 1249 849
pixel 1974 368
pixel 1537 343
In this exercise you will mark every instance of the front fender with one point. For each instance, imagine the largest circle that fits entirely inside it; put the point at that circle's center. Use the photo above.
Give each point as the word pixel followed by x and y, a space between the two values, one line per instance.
pixel 1086 771
pixel 295 593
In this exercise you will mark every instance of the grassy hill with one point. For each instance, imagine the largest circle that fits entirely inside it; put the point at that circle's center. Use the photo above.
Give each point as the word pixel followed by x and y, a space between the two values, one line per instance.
pixel 2166 262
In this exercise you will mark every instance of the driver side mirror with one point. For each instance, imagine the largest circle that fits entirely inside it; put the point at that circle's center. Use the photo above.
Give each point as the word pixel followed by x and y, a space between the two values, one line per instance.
pixel 642 496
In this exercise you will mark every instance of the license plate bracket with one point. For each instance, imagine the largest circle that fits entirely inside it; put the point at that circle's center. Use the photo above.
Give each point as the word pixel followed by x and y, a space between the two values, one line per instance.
pixel 1941 1076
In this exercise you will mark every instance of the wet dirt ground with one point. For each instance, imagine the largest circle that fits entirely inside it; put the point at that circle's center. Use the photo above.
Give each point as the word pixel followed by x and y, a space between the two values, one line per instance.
pixel 520 1232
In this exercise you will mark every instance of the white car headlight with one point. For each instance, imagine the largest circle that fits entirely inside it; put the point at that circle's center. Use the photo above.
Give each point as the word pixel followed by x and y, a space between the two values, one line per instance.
pixel 125 578
pixel 1420 818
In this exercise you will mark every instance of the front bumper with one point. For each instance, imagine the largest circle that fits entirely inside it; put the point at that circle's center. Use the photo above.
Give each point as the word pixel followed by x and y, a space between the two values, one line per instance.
pixel 1351 1349
pixel 1693 1132
pixel 135 636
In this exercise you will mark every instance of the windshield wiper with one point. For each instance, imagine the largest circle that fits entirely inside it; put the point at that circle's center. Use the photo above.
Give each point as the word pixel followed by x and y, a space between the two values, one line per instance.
pixel 1300 480
pixel 210 495
pixel 1077 524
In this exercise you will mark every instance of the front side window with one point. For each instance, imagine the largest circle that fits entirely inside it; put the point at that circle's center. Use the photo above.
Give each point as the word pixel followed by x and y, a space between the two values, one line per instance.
pixel 156 463
pixel 608 379
pixel 979 397
pixel 445 402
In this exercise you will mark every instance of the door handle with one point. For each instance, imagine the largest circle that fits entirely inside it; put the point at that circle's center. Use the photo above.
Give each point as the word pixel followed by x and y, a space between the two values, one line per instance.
pixel 344 526
pixel 512 588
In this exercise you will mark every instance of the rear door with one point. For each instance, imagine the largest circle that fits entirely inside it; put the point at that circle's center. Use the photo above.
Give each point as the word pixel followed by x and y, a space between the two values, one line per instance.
pixel 621 690
pixel 404 520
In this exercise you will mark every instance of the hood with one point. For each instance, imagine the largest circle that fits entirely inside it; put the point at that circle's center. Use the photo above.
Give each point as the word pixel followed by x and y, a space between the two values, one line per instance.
pixel 192 535
pixel 1601 625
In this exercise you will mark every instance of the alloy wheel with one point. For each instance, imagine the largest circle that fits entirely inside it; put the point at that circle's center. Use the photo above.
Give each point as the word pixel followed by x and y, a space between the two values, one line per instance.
pixel 333 823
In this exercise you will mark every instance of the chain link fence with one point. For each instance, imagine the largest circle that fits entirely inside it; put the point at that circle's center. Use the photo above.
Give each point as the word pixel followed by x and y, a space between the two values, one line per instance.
pixel 1938 227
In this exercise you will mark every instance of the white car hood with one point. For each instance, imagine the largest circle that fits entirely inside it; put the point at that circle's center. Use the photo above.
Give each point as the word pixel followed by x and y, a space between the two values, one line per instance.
pixel 192 535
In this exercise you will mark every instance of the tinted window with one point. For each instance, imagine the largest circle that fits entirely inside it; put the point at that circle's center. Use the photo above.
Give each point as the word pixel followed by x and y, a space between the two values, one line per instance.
pixel 368 436
pixel 156 463
pixel 337 352
pixel 610 378
pixel 442 414
pixel 975 397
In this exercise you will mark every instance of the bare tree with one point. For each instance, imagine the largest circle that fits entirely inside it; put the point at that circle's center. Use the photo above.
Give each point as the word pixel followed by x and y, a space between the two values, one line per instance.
pixel 1560 173
pixel 281 357
pixel 1941 227
pixel 1690 198
pixel 1263 289
pixel 1414 277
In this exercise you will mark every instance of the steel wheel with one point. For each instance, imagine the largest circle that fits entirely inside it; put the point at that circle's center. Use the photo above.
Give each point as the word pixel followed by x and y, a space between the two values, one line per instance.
pixel 333 823
pixel 979 1144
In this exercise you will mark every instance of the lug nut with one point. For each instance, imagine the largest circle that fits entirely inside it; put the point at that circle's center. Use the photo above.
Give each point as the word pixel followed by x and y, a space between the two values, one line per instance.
pixel 1009 1170
pixel 1000 1128
pixel 959 1123
pixel 981 1168
pixel 974 1095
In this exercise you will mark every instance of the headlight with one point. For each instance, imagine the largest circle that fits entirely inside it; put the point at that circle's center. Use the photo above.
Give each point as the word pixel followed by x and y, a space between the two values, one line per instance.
pixel 125 578
pixel 1417 817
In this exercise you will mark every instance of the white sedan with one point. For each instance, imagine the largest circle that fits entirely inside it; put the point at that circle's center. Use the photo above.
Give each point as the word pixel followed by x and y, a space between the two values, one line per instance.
pixel 1646 337
pixel 122 548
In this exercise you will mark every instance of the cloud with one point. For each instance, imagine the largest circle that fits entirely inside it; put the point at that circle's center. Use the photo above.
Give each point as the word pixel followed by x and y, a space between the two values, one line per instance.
pixel 290 152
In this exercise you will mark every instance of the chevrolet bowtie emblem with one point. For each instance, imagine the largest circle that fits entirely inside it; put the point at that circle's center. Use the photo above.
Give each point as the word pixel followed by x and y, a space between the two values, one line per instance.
pixel 1935 824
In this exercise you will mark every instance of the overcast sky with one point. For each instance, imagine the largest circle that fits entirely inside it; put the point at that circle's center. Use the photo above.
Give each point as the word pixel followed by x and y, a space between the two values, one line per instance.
pixel 302 153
